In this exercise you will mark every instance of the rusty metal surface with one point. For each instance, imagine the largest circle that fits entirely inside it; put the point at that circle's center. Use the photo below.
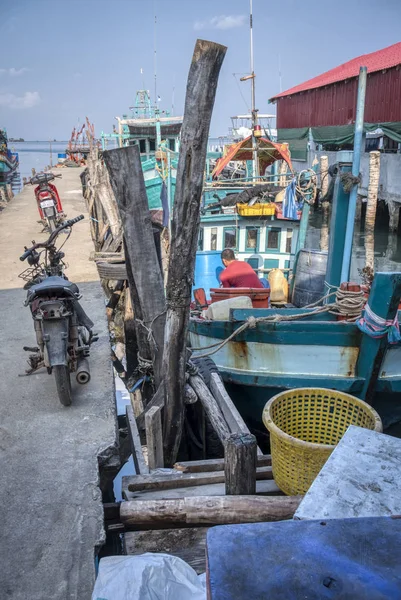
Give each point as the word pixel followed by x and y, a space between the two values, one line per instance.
pixel 335 104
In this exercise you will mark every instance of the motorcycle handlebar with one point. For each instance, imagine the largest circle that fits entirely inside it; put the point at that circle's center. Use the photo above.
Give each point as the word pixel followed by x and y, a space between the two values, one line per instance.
pixel 68 223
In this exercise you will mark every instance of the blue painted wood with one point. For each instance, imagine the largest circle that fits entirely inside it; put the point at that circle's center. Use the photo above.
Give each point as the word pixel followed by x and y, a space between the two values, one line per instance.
pixel 384 300
pixel 350 385
pixel 338 230
pixel 242 314
pixel 360 109
pixel 292 333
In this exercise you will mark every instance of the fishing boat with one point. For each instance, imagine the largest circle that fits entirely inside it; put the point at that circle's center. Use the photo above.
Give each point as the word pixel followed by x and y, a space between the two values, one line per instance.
pixel 8 160
pixel 157 133
pixel 260 352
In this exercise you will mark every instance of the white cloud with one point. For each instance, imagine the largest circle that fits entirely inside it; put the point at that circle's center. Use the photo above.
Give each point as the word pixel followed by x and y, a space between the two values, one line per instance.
pixel 13 72
pixel 221 22
pixel 28 100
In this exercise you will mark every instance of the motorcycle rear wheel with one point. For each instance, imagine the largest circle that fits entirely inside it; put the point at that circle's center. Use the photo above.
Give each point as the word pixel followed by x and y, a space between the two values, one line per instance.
pixel 51 221
pixel 63 384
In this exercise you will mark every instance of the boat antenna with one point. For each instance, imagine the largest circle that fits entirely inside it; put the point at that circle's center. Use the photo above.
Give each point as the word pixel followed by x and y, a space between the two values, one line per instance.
pixel 279 73
pixel 155 54
pixel 254 111
pixel 172 97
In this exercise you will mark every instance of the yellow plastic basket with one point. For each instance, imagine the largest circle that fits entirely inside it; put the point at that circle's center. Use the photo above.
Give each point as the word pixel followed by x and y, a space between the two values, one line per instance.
pixel 257 210
pixel 305 424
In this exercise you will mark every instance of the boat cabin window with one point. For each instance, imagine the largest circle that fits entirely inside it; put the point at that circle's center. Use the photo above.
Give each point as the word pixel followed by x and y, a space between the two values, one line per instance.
pixel 171 144
pixel 142 146
pixel 288 241
pixel 229 237
pixel 273 238
pixel 200 239
pixel 252 237
pixel 213 238
pixel 152 145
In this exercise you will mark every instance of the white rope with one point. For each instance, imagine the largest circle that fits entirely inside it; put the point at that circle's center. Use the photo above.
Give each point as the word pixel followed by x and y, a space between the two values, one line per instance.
pixel 347 304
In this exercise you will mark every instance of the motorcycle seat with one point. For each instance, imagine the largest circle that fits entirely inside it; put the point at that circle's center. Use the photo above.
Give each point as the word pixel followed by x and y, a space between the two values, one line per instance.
pixel 53 284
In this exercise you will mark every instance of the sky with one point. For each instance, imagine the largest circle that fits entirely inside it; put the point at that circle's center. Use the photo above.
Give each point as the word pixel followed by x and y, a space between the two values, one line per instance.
pixel 63 60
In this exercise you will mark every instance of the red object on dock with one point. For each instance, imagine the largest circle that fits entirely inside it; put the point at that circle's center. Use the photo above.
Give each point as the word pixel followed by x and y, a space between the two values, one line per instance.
pixel 259 296
pixel 350 286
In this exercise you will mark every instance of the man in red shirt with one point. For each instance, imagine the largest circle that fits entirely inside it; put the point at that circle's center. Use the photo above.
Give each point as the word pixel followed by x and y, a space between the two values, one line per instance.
pixel 237 273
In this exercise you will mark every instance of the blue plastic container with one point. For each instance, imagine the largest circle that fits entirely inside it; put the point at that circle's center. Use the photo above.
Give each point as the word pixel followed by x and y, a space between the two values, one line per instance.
pixel 208 267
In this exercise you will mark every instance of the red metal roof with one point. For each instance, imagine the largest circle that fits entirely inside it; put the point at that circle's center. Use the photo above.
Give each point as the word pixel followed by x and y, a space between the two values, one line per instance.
pixel 375 61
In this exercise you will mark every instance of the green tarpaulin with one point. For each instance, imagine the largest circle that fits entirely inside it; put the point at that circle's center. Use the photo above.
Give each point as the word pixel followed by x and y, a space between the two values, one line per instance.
pixel 344 134
pixel 297 140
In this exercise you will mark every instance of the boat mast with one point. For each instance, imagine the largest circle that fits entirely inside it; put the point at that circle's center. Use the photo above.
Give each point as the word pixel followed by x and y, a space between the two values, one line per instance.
pixel 254 111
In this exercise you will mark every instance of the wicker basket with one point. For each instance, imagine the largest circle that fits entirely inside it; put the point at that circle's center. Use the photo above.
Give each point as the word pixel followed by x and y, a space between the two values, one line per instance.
pixel 257 210
pixel 305 424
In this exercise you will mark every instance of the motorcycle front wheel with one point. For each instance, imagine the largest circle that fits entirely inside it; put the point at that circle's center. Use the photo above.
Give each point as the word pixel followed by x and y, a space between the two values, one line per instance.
pixel 63 384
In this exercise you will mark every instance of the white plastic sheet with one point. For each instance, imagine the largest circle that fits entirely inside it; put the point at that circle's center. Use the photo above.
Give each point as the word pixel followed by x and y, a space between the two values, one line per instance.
pixel 148 577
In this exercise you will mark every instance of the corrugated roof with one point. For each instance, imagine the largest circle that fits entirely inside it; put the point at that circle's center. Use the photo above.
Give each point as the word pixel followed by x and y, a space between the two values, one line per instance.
pixel 375 61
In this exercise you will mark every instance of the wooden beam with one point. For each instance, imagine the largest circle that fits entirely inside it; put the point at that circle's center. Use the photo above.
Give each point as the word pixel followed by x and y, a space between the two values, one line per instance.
pixel 200 94
pixel 126 176
pixel 187 543
pixel 208 510
pixel 176 479
pixel 154 437
pixel 266 487
pixel 240 464
pixel 136 447
pixel 156 401
pixel 233 418
pixel 215 464
pixel 211 407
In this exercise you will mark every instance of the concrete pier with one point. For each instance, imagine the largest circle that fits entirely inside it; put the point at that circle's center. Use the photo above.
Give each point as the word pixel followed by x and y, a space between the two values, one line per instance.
pixel 51 505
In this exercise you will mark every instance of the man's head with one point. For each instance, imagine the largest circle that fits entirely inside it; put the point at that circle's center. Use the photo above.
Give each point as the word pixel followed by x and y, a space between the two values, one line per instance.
pixel 227 256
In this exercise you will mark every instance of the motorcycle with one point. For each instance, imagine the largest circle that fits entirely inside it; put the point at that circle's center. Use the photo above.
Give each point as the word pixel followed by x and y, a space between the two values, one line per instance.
pixel 63 330
pixel 48 200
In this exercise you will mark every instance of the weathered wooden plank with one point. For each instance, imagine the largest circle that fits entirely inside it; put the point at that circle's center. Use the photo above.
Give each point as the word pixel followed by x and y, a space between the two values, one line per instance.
pixel 176 479
pixel 211 406
pixel 233 418
pixel 188 544
pixel 137 454
pixel 240 464
pixel 156 401
pixel 131 345
pixel 208 510
pixel 126 176
pixel 200 94
pixel 154 437
pixel 215 464
pixel 267 487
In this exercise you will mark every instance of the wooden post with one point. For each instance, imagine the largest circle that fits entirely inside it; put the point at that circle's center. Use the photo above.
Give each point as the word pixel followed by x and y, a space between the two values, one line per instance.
pixel 131 345
pixel 240 464
pixel 154 437
pixel 324 175
pixel 370 218
pixel 126 176
pixel 394 211
pixel 201 90
pixel 384 299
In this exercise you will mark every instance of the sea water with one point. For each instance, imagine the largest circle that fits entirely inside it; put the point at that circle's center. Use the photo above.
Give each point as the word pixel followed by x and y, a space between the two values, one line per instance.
pixel 36 155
